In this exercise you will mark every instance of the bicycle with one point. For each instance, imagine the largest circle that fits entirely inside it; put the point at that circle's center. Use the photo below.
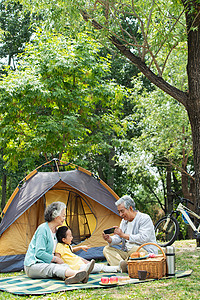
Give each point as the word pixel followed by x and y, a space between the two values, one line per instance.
pixel 167 228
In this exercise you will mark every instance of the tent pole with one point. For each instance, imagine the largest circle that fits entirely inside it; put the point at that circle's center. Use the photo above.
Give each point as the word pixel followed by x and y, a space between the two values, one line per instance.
pixel 56 165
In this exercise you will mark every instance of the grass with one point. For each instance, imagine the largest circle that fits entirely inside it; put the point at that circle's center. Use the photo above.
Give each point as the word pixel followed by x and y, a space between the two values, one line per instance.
pixel 187 257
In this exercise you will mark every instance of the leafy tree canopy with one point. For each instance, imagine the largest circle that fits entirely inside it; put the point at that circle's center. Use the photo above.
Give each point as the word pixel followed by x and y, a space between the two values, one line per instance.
pixel 15 30
pixel 48 104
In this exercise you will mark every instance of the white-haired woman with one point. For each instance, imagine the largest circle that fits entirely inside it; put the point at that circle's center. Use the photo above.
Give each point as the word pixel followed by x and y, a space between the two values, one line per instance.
pixel 40 261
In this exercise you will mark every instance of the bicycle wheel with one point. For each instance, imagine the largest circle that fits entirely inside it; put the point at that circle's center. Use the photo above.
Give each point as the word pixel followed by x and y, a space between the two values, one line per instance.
pixel 166 236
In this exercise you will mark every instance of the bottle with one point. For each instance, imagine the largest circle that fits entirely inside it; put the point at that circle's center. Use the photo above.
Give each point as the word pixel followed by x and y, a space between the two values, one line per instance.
pixel 170 260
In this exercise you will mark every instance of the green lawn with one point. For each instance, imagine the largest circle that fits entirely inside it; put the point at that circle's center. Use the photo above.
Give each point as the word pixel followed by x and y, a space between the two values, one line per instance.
pixel 187 257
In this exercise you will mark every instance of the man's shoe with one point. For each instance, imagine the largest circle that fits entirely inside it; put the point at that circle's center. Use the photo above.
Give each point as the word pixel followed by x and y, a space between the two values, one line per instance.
pixel 123 265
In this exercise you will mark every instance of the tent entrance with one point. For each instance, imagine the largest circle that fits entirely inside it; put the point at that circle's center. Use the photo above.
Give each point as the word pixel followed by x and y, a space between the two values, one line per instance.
pixel 79 215
pixel 79 218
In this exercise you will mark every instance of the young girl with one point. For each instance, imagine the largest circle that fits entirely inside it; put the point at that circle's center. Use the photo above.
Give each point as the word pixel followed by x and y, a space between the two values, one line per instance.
pixel 65 251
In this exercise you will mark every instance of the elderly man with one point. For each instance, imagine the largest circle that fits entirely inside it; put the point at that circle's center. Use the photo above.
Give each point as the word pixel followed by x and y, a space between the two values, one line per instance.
pixel 136 228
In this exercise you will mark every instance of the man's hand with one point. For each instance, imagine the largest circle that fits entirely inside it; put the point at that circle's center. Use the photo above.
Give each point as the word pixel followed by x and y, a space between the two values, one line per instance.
pixel 107 237
pixel 121 234
pixel 118 231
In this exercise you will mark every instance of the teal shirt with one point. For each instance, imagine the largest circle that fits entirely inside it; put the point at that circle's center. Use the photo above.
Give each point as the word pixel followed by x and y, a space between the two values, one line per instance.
pixel 41 246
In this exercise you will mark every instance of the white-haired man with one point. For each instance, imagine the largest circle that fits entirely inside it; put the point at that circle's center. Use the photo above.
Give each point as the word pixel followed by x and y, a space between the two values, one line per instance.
pixel 136 228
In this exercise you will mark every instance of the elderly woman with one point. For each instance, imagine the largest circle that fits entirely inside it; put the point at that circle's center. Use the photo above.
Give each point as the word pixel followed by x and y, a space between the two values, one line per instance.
pixel 136 228
pixel 40 261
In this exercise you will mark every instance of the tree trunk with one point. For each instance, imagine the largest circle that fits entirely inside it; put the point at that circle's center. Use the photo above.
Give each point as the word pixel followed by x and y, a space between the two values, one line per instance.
pixel 193 101
pixel 169 186
pixel 194 119
pixel 110 179
pixel 101 173
pixel 3 184
pixel 3 198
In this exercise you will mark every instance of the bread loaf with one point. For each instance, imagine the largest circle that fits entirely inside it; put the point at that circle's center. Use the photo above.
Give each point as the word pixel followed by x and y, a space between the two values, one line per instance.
pixel 135 255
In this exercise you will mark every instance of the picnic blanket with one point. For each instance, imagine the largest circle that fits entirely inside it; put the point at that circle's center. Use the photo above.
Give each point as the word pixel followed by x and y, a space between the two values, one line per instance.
pixel 23 285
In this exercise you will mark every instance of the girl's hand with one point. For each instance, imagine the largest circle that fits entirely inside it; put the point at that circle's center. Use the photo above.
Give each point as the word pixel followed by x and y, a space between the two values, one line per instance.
pixel 85 248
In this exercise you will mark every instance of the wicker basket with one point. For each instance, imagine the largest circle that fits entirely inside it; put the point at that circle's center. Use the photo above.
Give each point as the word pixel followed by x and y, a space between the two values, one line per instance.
pixel 155 266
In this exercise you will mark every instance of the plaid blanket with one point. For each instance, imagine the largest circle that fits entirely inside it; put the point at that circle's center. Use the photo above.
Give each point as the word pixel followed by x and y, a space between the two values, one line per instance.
pixel 23 285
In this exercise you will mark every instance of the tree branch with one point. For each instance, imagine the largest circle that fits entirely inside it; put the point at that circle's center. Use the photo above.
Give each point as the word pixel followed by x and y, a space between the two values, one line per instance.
pixel 158 81
pixel 152 191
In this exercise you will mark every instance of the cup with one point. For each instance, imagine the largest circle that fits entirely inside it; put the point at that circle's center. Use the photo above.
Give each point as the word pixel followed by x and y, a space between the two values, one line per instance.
pixel 142 274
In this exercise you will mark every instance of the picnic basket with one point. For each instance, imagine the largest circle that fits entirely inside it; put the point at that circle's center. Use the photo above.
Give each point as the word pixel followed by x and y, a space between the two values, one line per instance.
pixel 155 266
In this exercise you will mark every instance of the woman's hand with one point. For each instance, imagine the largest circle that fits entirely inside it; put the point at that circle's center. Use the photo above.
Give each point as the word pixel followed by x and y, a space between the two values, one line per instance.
pixel 57 260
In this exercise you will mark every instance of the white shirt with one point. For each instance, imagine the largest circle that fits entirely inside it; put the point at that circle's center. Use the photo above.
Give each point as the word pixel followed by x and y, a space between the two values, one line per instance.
pixel 129 231
pixel 142 232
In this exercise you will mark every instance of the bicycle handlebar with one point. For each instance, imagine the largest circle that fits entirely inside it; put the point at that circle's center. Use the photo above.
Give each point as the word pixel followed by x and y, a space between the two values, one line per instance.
pixel 181 199
pixel 187 200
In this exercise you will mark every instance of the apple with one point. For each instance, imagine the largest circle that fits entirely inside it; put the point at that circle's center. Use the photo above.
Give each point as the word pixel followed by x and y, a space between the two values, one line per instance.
pixel 104 280
pixel 152 255
pixel 113 279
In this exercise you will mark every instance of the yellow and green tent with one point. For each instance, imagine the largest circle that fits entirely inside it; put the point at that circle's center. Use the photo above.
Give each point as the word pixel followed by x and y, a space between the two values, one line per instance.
pixel 90 208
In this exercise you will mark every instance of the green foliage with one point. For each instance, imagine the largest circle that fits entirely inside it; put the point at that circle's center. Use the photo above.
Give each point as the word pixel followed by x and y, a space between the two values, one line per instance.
pixel 164 139
pixel 62 99
pixel 166 127
pixel 15 30
pixel 151 30
pixel 49 103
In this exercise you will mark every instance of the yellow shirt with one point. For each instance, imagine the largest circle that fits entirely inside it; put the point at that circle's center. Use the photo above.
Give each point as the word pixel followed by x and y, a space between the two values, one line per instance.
pixel 73 260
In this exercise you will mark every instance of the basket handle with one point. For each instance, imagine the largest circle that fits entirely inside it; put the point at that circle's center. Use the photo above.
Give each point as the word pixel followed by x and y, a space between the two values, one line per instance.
pixel 163 253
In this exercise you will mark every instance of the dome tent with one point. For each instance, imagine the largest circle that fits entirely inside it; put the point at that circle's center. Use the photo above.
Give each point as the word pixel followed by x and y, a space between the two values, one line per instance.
pixel 90 208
